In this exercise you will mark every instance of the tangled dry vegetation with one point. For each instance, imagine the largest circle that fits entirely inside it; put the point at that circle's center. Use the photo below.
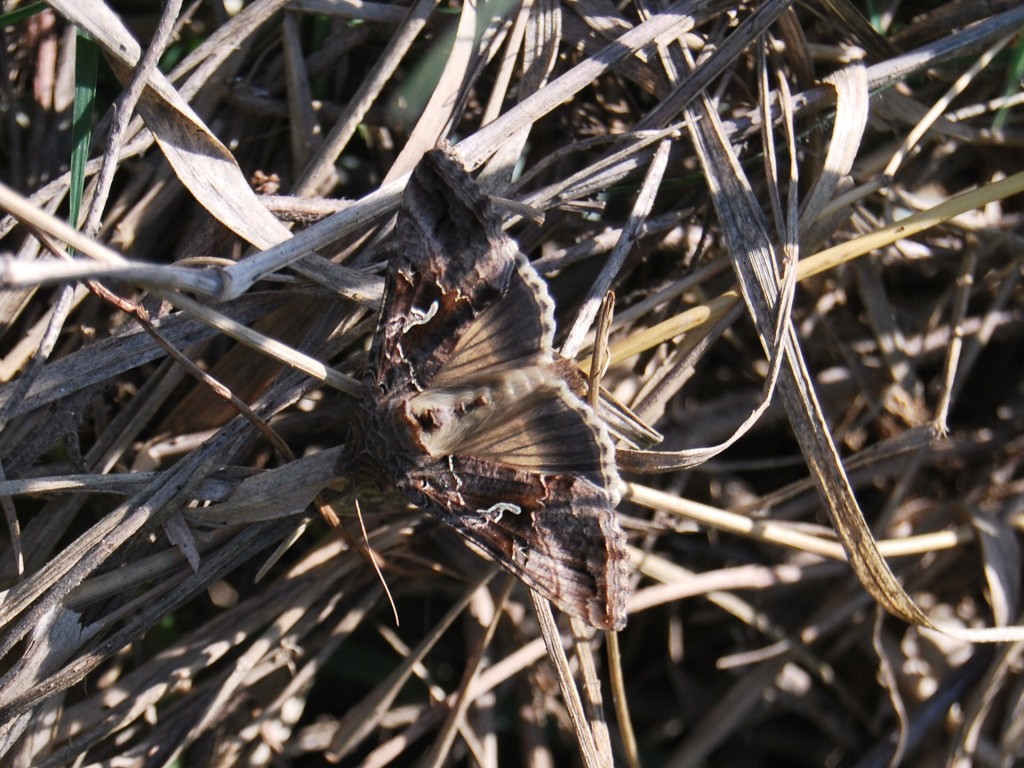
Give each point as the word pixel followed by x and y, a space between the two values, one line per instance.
pixel 768 624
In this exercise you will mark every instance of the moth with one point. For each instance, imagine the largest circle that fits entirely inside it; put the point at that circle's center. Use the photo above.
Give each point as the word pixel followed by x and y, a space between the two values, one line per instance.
pixel 469 411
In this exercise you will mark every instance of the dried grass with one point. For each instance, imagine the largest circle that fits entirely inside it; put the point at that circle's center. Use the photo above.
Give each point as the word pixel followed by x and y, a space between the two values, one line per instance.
pixel 780 216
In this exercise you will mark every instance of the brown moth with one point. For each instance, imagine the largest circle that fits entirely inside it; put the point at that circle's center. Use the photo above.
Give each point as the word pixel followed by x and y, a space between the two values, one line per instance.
pixel 468 410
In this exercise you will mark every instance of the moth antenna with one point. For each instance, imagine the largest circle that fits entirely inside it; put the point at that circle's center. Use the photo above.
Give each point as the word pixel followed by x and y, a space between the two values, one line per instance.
pixel 373 561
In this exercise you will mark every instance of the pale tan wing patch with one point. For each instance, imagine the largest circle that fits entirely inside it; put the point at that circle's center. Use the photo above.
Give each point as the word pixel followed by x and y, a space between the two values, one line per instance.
pixel 548 432
pixel 449 416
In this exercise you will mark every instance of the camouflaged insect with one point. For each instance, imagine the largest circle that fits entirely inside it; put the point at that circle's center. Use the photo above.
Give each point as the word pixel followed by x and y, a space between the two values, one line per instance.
pixel 468 409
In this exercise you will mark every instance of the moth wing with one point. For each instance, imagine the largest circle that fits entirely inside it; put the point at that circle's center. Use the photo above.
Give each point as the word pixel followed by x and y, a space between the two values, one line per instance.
pixel 516 331
pixel 549 432
pixel 449 261
pixel 557 533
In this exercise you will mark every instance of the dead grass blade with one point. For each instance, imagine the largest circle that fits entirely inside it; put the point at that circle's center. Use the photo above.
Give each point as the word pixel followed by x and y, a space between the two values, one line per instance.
pixel 362 721
pixel 591 735
pixel 755 266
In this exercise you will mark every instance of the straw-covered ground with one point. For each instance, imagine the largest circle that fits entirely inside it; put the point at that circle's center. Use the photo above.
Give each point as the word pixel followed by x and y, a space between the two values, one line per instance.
pixel 811 222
